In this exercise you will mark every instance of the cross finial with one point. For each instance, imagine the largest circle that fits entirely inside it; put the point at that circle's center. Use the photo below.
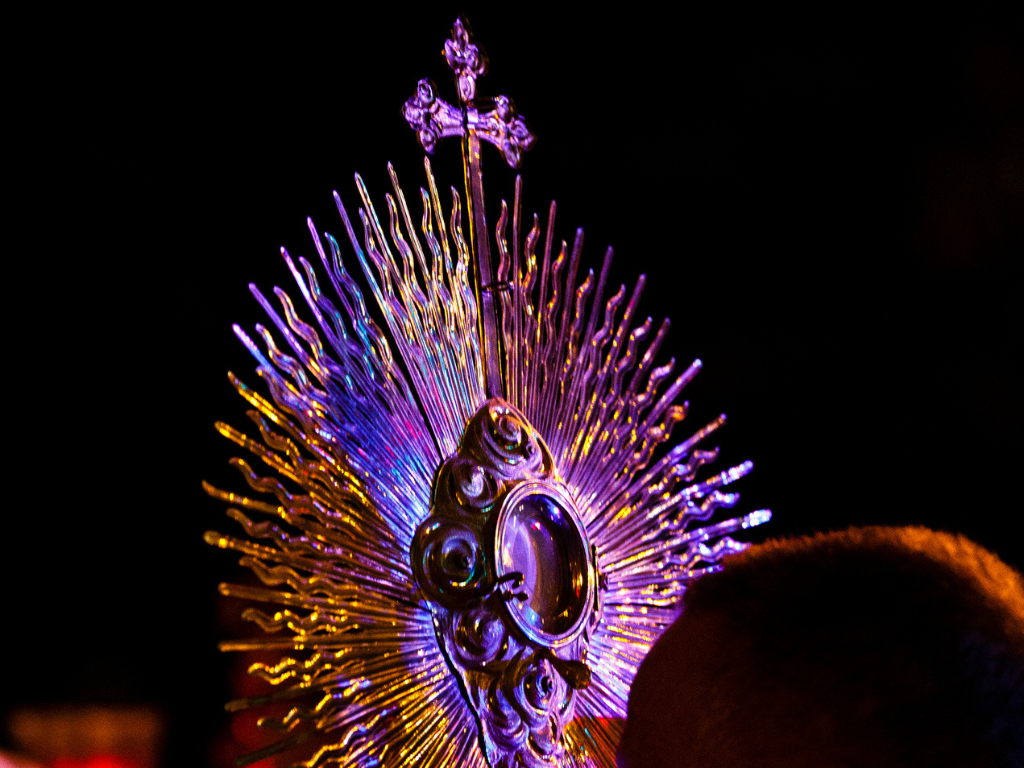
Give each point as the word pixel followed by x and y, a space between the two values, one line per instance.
pixel 465 58
pixel 434 119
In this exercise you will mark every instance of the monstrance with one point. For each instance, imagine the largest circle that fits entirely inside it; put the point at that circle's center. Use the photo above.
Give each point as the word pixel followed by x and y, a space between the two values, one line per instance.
pixel 472 543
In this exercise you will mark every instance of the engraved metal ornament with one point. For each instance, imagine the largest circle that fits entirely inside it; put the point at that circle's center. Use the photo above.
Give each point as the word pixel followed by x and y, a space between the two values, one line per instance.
pixel 493 120
pixel 511 580
pixel 464 536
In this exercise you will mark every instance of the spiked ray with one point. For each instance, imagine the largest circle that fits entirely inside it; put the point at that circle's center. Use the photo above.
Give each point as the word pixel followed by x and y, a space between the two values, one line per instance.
pixel 354 435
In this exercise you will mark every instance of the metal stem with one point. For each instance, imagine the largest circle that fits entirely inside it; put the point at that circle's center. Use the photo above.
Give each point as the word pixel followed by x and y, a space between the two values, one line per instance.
pixel 484 273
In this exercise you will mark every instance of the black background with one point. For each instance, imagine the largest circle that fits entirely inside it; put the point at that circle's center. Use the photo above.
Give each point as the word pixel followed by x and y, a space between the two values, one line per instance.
pixel 829 209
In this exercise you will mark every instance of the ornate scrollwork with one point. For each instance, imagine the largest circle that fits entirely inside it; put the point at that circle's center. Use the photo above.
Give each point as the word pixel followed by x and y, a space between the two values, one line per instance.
pixel 506 569
pixel 492 120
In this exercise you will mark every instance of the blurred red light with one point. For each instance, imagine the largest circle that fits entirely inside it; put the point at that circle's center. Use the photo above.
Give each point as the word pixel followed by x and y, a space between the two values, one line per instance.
pixel 96 761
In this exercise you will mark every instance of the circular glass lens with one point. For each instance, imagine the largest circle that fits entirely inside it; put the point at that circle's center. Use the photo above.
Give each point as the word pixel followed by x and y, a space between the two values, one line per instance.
pixel 537 538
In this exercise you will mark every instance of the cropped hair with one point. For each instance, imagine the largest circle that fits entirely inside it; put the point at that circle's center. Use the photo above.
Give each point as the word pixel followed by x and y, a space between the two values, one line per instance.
pixel 876 646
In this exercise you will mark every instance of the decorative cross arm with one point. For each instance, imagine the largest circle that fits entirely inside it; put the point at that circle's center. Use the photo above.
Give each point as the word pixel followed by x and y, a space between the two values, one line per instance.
pixel 503 128
pixel 432 118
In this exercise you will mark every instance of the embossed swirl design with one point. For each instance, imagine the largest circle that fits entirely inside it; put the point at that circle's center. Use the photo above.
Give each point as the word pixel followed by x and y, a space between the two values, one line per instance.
pixel 522 691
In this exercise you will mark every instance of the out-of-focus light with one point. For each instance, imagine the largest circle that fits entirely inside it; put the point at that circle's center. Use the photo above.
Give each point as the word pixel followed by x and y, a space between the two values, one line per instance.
pixel 7 760
pixel 88 736
pixel 97 761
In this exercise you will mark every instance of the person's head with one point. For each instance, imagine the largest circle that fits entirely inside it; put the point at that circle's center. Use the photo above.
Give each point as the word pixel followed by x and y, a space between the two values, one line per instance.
pixel 868 647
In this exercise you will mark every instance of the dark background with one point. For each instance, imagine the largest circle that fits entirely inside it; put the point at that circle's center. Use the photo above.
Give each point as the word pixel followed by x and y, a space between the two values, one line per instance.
pixel 829 209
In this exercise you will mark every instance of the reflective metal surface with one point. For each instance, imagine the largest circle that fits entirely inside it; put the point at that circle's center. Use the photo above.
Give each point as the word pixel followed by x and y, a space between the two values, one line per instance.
pixel 495 121
pixel 504 565
pixel 466 544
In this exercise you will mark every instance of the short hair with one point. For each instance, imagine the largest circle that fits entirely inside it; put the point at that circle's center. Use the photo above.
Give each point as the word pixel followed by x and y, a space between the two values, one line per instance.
pixel 868 647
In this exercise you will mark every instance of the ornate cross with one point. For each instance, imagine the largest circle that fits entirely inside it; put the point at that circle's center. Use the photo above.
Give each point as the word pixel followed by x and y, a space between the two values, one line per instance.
pixel 495 121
